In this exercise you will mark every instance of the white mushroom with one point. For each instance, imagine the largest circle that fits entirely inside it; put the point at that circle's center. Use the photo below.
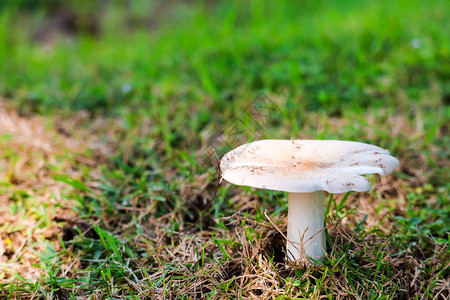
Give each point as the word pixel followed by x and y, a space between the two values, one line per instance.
pixel 304 169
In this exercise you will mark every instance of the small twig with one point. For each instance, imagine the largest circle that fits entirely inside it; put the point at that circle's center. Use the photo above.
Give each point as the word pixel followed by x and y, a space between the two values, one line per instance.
pixel 278 229
pixel 416 275
pixel 284 236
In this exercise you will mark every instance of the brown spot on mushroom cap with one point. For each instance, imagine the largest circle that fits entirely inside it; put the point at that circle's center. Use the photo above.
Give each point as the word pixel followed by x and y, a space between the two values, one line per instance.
pixel 306 165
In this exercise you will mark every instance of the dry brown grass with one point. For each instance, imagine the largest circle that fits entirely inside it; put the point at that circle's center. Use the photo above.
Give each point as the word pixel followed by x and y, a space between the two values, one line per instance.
pixel 250 274
pixel 31 151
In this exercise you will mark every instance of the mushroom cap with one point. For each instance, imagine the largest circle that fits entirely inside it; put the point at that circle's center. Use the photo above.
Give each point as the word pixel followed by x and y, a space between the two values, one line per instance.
pixel 305 166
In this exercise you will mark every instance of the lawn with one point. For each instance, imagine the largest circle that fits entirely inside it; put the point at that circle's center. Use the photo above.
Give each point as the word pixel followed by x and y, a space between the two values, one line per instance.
pixel 114 116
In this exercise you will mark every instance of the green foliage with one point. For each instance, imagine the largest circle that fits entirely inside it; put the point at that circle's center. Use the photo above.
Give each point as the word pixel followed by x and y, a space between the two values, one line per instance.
pixel 326 57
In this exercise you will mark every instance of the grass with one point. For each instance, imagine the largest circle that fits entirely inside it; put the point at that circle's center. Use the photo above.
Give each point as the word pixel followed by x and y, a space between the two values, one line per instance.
pixel 106 184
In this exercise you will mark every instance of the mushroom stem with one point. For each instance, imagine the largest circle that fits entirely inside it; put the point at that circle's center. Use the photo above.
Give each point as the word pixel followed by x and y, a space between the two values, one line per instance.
pixel 305 226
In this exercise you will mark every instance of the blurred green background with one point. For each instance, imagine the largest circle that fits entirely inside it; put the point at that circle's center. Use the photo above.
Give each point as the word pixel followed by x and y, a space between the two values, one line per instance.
pixel 110 56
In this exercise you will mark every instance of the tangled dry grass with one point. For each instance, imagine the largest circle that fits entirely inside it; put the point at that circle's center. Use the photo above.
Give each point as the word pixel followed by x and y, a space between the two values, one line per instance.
pixel 32 151
pixel 237 262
